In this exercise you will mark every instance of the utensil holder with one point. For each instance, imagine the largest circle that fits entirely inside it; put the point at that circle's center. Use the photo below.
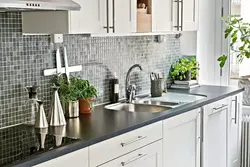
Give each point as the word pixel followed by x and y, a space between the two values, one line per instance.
pixel 156 88
pixel 71 109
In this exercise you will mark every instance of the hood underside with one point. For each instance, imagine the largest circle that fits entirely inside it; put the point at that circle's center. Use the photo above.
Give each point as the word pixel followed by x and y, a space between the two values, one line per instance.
pixel 39 5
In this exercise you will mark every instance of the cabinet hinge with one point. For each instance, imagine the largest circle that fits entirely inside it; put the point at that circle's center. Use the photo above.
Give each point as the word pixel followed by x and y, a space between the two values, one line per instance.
pixel 222 12
pixel 221 72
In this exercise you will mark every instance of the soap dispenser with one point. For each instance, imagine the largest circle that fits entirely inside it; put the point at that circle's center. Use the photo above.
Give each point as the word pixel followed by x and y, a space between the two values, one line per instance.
pixel 114 94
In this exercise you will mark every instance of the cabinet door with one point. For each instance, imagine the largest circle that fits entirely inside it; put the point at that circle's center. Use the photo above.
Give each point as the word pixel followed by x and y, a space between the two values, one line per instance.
pixel 88 19
pixel 77 159
pixel 148 156
pixel 215 134
pixel 161 15
pixel 181 140
pixel 185 15
pixel 234 131
pixel 118 16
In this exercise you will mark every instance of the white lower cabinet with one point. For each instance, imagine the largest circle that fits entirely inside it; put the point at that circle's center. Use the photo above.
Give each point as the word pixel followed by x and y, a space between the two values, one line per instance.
pixel 215 133
pixel 75 159
pixel 148 156
pixel 181 140
pixel 234 131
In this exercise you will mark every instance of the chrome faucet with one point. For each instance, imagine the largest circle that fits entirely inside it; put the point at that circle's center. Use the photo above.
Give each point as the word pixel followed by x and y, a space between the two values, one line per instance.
pixel 130 89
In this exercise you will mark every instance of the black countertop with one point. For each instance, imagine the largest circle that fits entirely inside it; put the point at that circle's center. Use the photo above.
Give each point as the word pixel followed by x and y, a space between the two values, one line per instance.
pixel 104 124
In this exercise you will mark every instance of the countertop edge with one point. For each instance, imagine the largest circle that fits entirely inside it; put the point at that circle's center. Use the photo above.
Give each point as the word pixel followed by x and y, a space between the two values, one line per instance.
pixel 38 159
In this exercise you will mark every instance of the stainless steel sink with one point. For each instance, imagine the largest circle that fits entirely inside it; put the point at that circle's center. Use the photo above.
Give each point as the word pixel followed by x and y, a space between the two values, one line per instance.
pixel 157 103
pixel 136 107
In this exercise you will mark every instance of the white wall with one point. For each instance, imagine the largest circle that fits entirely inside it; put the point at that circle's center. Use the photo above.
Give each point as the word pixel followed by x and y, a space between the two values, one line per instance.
pixel 209 42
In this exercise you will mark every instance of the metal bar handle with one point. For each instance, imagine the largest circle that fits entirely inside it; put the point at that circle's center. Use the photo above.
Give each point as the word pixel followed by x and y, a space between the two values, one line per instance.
pixel 130 11
pixel 133 159
pixel 178 15
pixel 236 110
pixel 107 8
pixel 219 108
pixel 99 12
pixel 113 16
pixel 182 13
pixel 133 141
pixel 194 10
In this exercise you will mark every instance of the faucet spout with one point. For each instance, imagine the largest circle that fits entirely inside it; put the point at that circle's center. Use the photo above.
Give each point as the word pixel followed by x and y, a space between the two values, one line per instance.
pixel 127 84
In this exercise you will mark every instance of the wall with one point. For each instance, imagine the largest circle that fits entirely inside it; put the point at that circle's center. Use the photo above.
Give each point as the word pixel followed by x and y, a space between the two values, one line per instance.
pixel 211 44
pixel 23 59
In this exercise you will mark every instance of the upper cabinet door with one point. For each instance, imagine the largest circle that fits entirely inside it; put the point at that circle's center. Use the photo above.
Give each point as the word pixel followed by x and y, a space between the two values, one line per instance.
pixel 185 15
pixel 161 15
pixel 118 16
pixel 88 20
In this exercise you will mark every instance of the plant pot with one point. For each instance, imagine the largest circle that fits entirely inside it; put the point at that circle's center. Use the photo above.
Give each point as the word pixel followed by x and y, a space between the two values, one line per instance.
pixel 72 109
pixel 188 76
pixel 84 106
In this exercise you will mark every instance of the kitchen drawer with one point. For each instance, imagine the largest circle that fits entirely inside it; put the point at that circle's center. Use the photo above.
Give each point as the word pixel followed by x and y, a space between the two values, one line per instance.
pixel 149 156
pixel 123 144
pixel 218 106
pixel 76 159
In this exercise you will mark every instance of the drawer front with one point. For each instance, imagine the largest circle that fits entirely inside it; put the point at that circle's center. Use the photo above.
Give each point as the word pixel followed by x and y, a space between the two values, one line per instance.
pixel 149 156
pixel 120 145
pixel 77 159
pixel 218 106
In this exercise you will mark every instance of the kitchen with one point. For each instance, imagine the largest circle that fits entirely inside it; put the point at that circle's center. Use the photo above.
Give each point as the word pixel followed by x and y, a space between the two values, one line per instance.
pixel 103 39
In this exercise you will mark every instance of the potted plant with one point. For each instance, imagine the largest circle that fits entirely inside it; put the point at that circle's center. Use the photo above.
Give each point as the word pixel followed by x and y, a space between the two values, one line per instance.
pixel 68 93
pixel 185 69
pixel 86 93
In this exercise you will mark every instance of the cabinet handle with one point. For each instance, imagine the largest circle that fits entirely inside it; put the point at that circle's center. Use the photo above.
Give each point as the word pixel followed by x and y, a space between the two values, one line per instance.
pixel 178 15
pixel 133 141
pixel 107 8
pixel 133 159
pixel 113 16
pixel 194 11
pixel 99 8
pixel 130 11
pixel 219 108
pixel 236 110
pixel 182 12
pixel 202 124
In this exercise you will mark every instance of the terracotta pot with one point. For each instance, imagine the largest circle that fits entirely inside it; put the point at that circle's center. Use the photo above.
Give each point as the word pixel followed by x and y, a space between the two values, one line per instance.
pixel 84 107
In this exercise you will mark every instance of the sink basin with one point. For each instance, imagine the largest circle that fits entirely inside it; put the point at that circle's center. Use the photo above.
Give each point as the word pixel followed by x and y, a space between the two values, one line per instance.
pixel 157 103
pixel 136 107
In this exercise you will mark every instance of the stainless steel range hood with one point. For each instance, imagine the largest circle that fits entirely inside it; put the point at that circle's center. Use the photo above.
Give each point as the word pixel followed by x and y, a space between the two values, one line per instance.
pixel 38 5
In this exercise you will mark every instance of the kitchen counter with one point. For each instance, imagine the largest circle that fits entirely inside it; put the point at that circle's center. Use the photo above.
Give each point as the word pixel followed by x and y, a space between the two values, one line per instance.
pixel 104 124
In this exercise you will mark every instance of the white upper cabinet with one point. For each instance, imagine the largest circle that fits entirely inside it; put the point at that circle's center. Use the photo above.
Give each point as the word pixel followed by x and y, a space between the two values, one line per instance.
pixel 161 15
pixel 185 15
pixel 181 140
pixel 87 20
pixel 234 135
pixel 118 16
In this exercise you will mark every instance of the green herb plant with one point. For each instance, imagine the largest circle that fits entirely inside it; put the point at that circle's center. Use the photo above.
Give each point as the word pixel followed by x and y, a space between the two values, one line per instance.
pixel 74 90
pixel 180 68
pixel 239 32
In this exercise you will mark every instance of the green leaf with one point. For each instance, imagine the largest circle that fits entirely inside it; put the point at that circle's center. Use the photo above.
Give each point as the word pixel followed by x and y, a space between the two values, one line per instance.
pixel 222 60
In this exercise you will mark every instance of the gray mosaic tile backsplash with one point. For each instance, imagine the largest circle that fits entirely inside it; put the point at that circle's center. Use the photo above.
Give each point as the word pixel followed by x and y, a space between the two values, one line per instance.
pixel 23 59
